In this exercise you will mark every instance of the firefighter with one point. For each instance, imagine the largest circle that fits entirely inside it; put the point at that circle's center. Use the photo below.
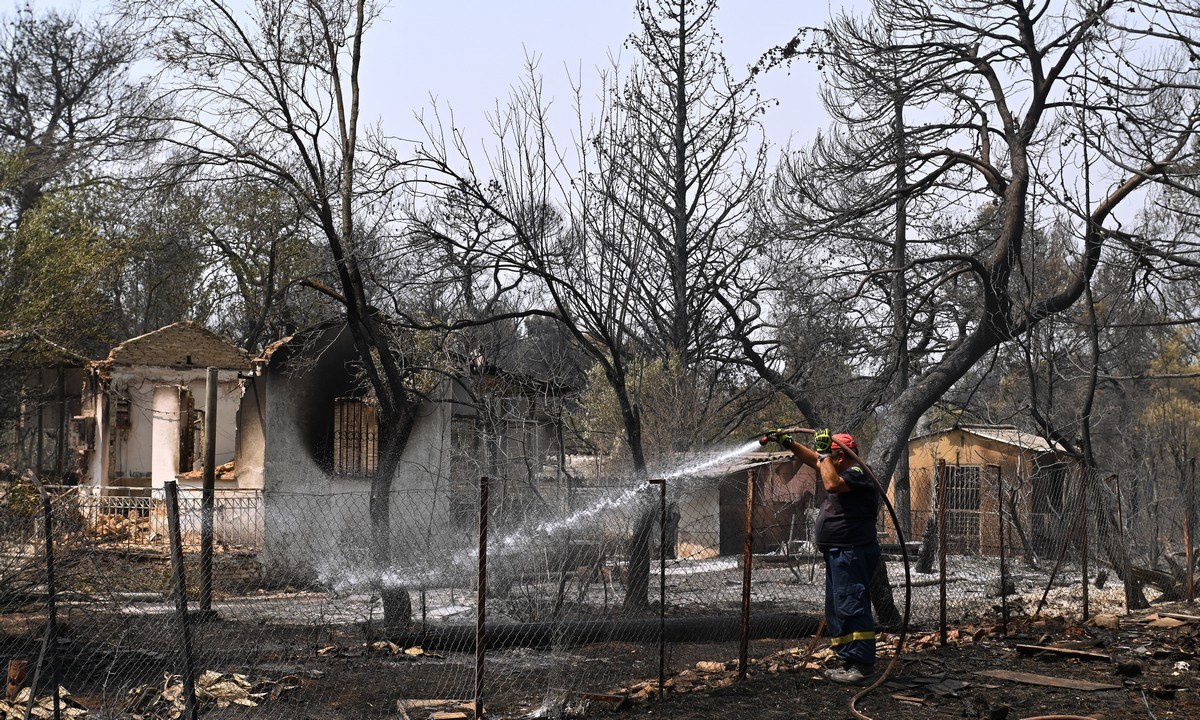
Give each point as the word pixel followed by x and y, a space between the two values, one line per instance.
pixel 845 535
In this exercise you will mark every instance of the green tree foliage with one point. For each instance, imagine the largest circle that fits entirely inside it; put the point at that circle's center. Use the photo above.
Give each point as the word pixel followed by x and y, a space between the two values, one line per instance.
pixel 71 121
pixel 61 262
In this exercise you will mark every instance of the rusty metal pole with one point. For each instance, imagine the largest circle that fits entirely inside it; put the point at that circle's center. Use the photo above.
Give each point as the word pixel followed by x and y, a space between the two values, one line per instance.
pixel 662 586
pixel 1003 560
pixel 1189 530
pixel 1083 543
pixel 208 491
pixel 179 584
pixel 941 501
pixel 481 597
pixel 747 563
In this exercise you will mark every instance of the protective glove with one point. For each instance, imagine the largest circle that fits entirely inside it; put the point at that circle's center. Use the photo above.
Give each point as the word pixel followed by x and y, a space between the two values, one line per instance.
pixel 822 441
pixel 778 436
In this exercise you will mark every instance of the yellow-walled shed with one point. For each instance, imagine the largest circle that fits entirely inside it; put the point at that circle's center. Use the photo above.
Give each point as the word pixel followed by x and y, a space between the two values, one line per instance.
pixel 979 462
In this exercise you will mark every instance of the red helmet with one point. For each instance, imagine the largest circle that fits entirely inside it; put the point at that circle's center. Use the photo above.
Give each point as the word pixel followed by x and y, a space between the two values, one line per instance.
pixel 845 440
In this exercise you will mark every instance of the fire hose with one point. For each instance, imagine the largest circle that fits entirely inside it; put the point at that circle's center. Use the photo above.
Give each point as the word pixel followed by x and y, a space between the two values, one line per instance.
pixel 900 637
pixel 903 632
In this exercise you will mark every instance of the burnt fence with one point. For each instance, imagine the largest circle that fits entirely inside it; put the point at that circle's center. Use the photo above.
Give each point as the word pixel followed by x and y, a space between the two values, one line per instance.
pixel 509 598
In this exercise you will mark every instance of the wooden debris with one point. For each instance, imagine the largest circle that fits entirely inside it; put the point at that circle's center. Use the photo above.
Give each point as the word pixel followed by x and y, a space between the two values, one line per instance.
pixel 1107 621
pixel 1181 616
pixel 1167 622
pixel 1047 680
pixel 434 709
pixel 151 702
pixel 1064 651
pixel 618 702
pixel 710 667
pixel 384 646
pixel 18 671
pixel 412 703
pixel 43 707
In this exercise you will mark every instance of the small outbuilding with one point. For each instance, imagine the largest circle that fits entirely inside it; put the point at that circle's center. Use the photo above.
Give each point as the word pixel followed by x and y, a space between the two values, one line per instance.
pixel 981 465
pixel 711 505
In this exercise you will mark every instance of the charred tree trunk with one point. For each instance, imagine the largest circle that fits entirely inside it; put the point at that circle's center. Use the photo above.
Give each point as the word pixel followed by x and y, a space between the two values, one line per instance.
pixel 1115 551
pixel 637 590
pixel 881 597
pixel 1015 518
pixel 929 541
pixel 397 602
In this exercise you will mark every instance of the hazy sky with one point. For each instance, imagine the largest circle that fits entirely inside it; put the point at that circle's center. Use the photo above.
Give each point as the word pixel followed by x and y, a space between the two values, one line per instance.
pixel 467 53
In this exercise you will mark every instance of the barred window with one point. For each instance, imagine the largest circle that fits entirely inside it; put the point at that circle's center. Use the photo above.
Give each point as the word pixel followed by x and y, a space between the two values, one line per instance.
pixel 962 506
pixel 355 437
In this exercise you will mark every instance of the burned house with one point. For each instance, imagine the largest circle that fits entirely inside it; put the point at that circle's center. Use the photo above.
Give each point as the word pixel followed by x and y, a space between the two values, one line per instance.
pixel 40 385
pixel 142 409
pixel 309 436
pixel 980 465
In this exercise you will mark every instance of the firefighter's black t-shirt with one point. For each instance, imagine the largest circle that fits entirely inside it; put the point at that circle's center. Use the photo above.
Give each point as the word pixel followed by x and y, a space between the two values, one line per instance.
pixel 848 518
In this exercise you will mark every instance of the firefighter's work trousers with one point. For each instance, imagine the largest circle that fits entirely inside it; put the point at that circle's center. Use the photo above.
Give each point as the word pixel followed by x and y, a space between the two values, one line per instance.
pixel 848 619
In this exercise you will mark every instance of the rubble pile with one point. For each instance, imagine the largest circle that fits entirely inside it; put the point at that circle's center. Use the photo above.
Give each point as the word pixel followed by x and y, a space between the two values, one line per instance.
pixel 121 527
pixel 43 707
pixel 213 689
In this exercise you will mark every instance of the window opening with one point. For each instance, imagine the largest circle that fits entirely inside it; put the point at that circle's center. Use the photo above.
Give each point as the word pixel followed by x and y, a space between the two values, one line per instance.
pixel 122 414
pixel 188 426
pixel 355 437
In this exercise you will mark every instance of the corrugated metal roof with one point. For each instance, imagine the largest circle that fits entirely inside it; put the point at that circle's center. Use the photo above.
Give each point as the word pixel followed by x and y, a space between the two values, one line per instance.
pixel 1007 434
pixel 742 463
pixel 1013 436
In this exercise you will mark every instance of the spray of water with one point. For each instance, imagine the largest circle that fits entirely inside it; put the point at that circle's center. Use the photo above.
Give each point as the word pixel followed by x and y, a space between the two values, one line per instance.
pixel 517 540
pixel 698 466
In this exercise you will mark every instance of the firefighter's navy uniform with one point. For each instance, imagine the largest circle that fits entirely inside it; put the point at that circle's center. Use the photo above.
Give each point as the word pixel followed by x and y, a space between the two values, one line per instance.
pixel 845 534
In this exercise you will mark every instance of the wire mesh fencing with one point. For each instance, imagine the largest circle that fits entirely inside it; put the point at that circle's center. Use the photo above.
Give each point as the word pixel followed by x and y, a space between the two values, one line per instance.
pixel 364 604
pixel 1060 540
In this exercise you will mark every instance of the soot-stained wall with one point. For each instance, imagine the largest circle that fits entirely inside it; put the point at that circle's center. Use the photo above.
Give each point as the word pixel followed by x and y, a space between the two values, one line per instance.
pixel 317 524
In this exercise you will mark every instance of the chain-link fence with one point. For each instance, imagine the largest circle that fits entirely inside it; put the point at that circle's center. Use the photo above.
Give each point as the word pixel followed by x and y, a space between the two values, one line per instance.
pixel 1061 540
pixel 339 605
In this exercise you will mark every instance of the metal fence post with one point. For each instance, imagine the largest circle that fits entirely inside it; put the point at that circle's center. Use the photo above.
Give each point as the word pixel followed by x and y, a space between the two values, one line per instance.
pixel 481 597
pixel 1003 529
pixel 179 584
pixel 662 586
pixel 747 563
pixel 1083 542
pixel 208 491
pixel 942 532
pixel 1189 529
pixel 46 658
